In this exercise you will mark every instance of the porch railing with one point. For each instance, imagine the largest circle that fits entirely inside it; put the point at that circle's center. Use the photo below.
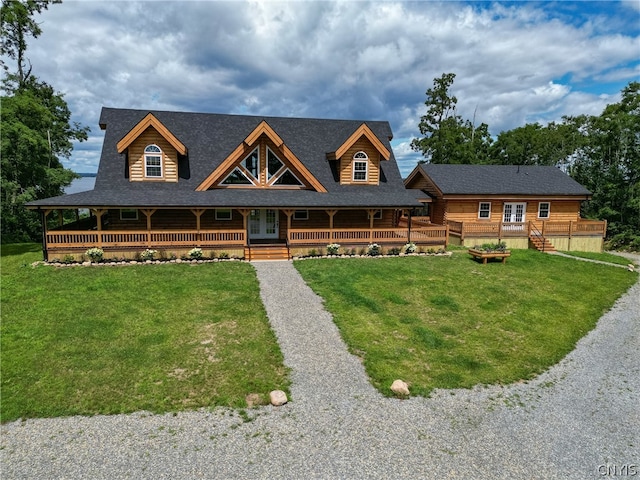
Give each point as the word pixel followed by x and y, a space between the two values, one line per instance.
pixel 523 229
pixel 145 239
pixel 423 235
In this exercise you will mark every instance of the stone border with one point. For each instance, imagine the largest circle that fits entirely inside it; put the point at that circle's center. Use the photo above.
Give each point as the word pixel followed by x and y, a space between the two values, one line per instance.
pixel 423 254
pixel 125 263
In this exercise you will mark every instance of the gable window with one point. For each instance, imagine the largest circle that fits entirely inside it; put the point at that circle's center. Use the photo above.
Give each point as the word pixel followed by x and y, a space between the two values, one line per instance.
pixel 360 167
pixel 251 165
pixel 301 215
pixel 543 209
pixel 485 210
pixel 153 161
pixel 223 214
pixel 128 214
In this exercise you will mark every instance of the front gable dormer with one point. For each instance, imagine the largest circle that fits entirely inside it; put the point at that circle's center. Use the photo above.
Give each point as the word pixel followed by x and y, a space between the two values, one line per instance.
pixel 262 160
pixel 152 151
pixel 358 158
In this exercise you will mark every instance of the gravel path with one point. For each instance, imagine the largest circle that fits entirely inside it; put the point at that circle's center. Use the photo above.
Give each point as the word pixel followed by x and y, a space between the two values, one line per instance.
pixel 581 414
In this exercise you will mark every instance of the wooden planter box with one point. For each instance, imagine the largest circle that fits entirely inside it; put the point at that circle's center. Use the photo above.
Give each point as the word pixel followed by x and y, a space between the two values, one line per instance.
pixel 484 256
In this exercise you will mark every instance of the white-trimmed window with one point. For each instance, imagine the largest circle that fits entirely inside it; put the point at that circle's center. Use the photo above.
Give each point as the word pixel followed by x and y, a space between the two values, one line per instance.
pixel 128 214
pixel 301 215
pixel 484 210
pixel 360 167
pixel 543 209
pixel 153 161
pixel 223 214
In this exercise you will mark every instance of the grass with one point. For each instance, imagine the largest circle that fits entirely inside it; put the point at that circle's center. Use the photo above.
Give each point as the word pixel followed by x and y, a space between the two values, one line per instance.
pixel 450 322
pixel 105 340
pixel 603 257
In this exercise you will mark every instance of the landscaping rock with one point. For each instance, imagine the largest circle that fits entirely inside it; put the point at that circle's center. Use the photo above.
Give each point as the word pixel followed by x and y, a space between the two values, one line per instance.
pixel 400 388
pixel 278 398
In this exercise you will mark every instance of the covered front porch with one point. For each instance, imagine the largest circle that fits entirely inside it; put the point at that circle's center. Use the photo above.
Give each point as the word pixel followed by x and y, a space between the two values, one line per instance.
pixel 236 232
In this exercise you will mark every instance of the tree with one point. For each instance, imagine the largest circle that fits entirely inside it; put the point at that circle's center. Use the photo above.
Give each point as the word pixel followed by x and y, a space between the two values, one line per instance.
pixel 36 130
pixel 16 25
pixel 535 144
pixel 608 164
pixel 447 137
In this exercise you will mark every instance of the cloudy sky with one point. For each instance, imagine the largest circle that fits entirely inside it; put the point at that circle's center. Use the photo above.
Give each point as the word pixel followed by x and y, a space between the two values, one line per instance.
pixel 515 62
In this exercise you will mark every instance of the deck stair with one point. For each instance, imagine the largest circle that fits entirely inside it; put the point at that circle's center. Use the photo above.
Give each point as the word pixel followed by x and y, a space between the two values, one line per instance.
pixel 256 253
pixel 541 244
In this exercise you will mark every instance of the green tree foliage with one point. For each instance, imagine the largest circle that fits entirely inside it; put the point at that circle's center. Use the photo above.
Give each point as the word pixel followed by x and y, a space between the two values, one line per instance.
pixel 448 138
pixel 608 164
pixel 36 129
pixel 535 144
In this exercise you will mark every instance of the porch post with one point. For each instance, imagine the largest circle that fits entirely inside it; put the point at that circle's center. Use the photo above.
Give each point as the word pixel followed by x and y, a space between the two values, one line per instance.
pixel 198 212
pixel 43 220
pixel 371 215
pixel 98 212
pixel 60 217
pixel 245 212
pixel 289 214
pixel 148 213
pixel 409 228
pixel 331 214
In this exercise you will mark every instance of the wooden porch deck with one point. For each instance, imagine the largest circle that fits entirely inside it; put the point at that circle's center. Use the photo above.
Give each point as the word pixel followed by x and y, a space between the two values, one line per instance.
pixel 161 239
pixel 527 229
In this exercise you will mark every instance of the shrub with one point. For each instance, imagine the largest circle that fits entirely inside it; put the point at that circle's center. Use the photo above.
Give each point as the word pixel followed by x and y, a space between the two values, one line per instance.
pixel 313 252
pixel 95 254
pixel 148 254
pixel 332 248
pixel 195 253
pixel 410 248
pixel 394 251
pixel 68 259
pixel 223 255
pixel 373 250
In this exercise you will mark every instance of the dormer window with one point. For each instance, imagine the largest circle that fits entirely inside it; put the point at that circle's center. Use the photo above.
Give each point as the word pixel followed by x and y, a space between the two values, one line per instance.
pixel 360 167
pixel 152 161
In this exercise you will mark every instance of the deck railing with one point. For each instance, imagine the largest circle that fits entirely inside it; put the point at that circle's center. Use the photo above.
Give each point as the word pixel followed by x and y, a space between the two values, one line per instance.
pixel 523 229
pixel 144 239
pixel 421 235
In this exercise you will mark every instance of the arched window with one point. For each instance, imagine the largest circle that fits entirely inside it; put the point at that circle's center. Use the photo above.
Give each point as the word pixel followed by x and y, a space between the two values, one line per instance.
pixel 153 161
pixel 360 167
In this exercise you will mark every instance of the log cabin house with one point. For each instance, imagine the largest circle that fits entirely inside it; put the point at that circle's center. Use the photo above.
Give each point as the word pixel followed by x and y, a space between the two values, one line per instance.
pixel 251 187
pixel 524 206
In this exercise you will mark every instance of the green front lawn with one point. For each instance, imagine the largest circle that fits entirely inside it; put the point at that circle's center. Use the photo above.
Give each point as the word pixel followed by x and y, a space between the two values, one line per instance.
pixel 450 322
pixel 603 257
pixel 122 339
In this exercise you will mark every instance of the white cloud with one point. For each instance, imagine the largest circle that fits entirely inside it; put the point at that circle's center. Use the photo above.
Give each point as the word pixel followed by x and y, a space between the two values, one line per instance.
pixel 514 64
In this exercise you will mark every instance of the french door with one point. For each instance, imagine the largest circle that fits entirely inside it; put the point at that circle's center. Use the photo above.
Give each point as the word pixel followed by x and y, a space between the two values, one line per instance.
pixel 264 224
pixel 514 213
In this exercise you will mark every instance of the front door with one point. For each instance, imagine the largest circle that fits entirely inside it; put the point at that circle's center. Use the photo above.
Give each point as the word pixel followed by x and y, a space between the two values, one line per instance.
pixel 263 224
pixel 514 213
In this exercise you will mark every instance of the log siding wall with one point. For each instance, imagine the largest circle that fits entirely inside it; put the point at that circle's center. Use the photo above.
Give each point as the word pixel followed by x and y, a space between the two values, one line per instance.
pixel 136 158
pixel 175 219
pixel 373 164
pixel 467 210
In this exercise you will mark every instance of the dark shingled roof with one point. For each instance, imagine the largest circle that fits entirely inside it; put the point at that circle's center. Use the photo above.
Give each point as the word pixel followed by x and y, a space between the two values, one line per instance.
pixel 210 138
pixel 502 180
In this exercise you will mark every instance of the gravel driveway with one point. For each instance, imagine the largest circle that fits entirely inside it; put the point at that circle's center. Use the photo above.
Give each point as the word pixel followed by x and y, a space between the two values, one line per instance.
pixel 581 419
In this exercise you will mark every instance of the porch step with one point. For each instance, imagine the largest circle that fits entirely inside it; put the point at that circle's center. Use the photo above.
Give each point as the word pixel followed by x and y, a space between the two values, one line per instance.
pixel 542 245
pixel 266 252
